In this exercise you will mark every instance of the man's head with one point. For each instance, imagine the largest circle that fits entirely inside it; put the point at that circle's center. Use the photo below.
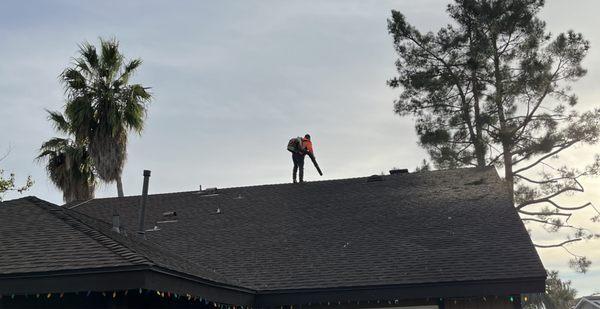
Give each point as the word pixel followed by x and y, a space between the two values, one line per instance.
pixel 307 136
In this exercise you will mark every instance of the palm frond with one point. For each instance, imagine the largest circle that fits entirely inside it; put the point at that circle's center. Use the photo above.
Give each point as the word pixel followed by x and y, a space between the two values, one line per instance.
pixel 82 66
pixel 73 80
pixel 79 110
pixel 110 58
pixel 128 71
pixel 69 167
pixel 89 55
pixel 140 93
pixel 55 144
pixel 58 121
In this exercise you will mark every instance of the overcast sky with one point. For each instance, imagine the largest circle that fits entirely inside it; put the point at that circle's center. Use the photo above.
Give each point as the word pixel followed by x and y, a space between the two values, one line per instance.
pixel 234 80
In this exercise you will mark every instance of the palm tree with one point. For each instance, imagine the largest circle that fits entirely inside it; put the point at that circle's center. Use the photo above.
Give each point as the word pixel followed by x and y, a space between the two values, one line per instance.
pixel 102 106
pixel 69 168
pixel 68 163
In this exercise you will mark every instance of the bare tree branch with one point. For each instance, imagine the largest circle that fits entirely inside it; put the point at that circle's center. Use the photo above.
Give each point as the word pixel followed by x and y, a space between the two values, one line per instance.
pixel 548 155
pixel 559 225
pixel 546 199
pixel 559 244
pixel 588 204
pixel 544 213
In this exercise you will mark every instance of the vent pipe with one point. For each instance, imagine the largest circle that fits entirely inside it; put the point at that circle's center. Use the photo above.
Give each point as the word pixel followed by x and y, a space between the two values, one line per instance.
pixel 398 171
pixel 115 220
pixel 143 201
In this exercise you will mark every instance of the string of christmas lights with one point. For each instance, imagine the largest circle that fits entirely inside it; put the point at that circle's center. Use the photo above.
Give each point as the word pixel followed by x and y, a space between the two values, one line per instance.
pixel 193 298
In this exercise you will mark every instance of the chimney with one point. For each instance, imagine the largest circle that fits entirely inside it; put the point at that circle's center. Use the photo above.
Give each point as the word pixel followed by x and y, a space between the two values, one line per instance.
pixel 143 201
pixel 398 171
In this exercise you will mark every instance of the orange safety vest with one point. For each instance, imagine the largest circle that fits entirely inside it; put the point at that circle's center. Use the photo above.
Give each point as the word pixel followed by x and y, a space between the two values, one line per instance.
pixel 307 145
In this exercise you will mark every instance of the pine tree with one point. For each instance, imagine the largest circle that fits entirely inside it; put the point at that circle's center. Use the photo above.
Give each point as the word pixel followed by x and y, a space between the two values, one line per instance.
pixel 494 89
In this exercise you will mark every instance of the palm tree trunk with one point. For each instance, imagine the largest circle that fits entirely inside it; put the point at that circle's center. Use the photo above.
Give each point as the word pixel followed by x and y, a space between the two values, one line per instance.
pixel 120 187
pixel 115 216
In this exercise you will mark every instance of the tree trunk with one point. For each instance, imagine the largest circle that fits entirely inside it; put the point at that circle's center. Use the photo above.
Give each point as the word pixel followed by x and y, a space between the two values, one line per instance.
pixel 479 143
pixel 477 140
pixel 505 134
pixel 120 187
pixel 480 149
pixel 116 224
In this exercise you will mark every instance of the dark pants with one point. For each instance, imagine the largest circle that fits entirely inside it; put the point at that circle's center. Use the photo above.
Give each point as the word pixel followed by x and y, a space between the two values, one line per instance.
pixel 298 163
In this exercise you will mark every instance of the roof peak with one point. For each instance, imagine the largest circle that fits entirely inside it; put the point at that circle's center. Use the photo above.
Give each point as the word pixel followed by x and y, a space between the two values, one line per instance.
pixel 309 183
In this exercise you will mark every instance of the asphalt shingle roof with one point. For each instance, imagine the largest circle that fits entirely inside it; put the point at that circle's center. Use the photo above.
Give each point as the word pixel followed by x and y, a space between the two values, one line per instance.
pixel 38 236
pixel 440 226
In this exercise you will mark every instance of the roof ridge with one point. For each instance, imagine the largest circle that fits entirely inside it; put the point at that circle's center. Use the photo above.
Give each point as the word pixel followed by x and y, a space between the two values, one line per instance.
pixel 76 203
pixel 30 198
pixel 108 242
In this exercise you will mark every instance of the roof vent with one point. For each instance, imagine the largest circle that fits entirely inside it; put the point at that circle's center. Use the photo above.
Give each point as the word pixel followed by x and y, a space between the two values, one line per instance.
pixel 209 192
pixel 169 217
pixel 154 229
pixel 399 171
pixel 374 178
pixel 170 214
pixel 167 221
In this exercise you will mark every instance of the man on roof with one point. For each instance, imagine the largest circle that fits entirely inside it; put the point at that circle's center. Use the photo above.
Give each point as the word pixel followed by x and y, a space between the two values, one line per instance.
pixel 300 147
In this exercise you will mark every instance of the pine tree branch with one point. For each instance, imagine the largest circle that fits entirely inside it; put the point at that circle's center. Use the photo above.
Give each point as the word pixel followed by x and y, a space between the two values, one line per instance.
pixel 539 102
pixel 559 225
pixel 494 160
pixel 465 110
pixel 548 155
pixel 547 199
pixel 559 244
pixel 588 204
pixel 544 213
pixel 547 181
pixel 543 116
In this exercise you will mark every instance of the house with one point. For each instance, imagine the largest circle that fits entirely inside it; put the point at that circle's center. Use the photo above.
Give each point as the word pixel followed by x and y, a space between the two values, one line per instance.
pixel 440 239
pixel 588 302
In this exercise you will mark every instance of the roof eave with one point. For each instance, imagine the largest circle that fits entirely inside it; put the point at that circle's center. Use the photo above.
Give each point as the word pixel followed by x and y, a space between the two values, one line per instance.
pixel 160 279
pixel 123 278
pixel 476 288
